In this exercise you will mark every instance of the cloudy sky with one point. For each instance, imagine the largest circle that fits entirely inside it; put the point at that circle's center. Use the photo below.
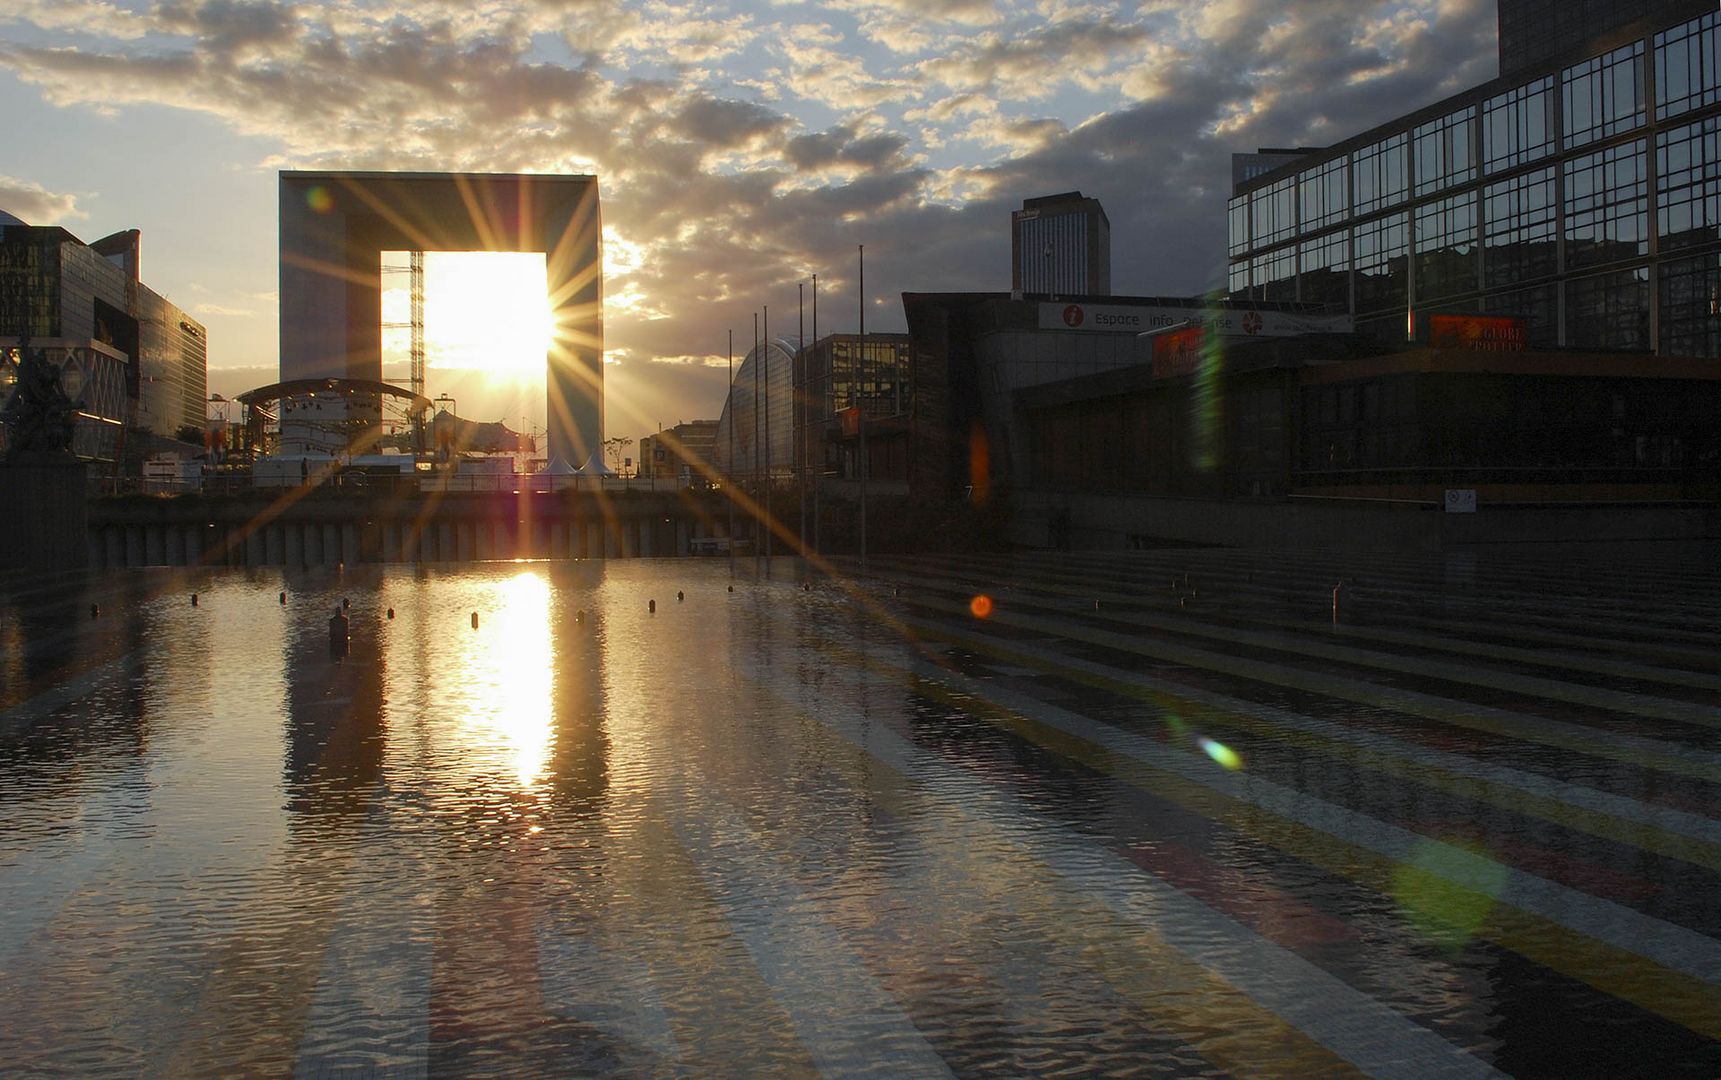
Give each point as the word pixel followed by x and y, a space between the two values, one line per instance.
pixel 740 146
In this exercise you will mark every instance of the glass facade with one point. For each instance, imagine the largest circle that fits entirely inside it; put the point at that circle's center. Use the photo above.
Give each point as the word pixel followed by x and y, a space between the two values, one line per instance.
pixel 1445 242
pixel 1323 195
pixel 1688 185
pixel 1607 206
pixel 1273 213
pixel 1587 200
pixel 1603 96
pixel 1326 263
pixel 1518 126
pixel 1687 69
pixel 1382 174
pixel 1382 263
pixel 1520 232
pixel 1444 152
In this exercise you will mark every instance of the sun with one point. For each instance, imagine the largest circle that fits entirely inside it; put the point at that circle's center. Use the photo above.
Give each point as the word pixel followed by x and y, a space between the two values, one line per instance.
pixel 487 310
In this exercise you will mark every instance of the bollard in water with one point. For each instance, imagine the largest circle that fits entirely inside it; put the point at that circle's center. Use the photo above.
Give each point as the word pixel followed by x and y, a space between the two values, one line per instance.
pixel 1183 602
pixel 731 588
pixel 339 637
pixel 345 603
pixel 1338 589
pixel 283 599
pixel 651 605
pixel 391 613
pixel 193 599
pixel 1096 605
pixel 580 615
pixel 474 620
pixel 95 609
pixel 680 596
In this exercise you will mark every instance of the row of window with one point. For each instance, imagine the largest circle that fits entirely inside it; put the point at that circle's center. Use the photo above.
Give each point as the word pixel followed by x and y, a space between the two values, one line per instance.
pixel 1594 100
pixel 1602 311
pixel 1508 232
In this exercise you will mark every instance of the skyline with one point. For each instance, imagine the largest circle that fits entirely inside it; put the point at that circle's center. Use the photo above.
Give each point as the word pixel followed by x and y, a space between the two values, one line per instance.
pixel 739 148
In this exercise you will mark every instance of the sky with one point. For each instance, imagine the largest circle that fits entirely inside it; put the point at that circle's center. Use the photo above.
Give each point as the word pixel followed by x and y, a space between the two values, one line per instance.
pixel 740 147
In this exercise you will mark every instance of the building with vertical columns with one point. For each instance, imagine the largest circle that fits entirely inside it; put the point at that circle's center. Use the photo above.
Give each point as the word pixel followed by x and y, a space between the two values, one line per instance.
pixel 1060 244
pixel 1578 191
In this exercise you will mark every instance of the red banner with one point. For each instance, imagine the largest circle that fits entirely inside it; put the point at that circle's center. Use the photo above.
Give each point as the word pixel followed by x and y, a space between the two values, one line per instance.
pixel 851 420
pixel 1480 333
pixel 1177 352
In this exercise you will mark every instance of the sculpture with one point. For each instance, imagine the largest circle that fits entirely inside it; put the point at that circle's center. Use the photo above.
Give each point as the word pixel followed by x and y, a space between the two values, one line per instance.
pixel 39 417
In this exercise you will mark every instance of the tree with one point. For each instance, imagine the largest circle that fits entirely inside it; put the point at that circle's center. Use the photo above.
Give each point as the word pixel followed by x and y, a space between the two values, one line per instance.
pixel 615 448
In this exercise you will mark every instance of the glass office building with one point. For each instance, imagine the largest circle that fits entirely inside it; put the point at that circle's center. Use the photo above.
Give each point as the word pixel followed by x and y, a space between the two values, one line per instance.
pixel 1583 194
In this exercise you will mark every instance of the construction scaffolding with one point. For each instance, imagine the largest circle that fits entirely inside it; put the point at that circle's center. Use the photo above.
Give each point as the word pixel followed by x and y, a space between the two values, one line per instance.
pixel 415 349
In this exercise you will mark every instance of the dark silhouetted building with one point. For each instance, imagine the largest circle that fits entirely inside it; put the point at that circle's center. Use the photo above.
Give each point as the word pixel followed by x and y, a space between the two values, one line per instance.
pixel 1060 244
pixel 132 355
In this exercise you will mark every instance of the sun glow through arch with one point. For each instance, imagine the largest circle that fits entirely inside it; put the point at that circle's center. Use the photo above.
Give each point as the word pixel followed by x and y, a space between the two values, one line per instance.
pixel 488 325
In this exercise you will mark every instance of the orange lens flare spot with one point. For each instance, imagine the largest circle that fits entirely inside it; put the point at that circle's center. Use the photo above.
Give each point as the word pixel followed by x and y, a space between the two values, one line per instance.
pixel 319 199
pixel 981 606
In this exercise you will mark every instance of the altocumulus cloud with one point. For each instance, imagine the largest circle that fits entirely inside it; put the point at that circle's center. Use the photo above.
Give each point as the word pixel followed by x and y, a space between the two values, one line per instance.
pixel 742 147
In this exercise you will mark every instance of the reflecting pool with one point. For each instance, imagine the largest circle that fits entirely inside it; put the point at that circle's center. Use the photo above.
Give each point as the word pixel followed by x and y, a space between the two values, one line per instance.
pixel 1156 813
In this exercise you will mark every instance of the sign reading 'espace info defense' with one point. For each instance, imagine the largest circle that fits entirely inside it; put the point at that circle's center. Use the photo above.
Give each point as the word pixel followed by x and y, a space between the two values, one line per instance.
pixel 1228 322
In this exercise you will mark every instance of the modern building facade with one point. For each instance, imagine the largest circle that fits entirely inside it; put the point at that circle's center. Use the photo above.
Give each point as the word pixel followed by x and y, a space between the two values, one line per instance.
pixel 334 227
pixel 683 453
pixel 972 354
pixel 1060 244
pixel 1580 190
pixel 755 438
pixel 135 357
pixel 847 379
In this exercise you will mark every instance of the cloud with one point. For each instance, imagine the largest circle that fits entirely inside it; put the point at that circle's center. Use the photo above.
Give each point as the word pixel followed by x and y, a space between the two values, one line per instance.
pixel 740 150
pixel 33 203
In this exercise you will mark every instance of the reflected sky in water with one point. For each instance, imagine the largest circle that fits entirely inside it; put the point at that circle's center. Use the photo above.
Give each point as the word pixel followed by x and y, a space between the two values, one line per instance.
pixel 858 829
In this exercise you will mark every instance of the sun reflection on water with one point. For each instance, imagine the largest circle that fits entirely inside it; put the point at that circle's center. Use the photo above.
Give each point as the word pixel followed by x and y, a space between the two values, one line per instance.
pixel 509 670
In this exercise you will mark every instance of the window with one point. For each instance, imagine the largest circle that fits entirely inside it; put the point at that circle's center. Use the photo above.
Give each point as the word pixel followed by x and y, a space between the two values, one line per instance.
pixel 1326 269
pixel 1688 184
pixel 1239 212
pixel 1691 306
pixel 1274 210
pixel 1519 222
pixel 1444 155
pixel 1604 96
pixel 1445 238
pixel 1323 193
pixel 1518 126
pixel 1382 263
pixel 1687 68
pixel 1240 279
pixel 1382 174
pixel 1609 311
pixel 1276 274
pixel 1607 215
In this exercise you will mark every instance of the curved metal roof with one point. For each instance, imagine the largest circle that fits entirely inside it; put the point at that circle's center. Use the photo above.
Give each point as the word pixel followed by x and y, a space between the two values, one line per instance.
pixel 295 387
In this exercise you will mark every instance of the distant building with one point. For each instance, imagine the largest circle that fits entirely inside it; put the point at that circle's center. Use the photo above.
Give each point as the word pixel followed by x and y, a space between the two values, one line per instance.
pixel 755 436
pixel 974 354
pixel 683 453
pixel 1578 191
pixel 136 358
pixel 1060 244
pixel 845 377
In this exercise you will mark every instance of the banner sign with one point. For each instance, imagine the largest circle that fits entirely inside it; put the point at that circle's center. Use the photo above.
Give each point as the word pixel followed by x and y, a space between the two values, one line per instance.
pixel 1479 333
pixel 1177 352
pixel 1227 322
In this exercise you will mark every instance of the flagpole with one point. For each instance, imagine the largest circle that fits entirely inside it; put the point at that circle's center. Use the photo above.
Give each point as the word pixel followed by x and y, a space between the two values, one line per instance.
pixel 865 462
pixel 730 479
pixel 770 513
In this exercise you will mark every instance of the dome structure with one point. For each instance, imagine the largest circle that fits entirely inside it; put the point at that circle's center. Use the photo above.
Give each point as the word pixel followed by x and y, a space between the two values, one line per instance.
pixel 756 433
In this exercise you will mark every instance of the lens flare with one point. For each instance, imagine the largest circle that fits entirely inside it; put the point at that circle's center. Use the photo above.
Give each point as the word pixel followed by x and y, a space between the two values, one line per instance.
pixel 981 606
pixel 1447 890
pixel 319 199
pixel 1221 753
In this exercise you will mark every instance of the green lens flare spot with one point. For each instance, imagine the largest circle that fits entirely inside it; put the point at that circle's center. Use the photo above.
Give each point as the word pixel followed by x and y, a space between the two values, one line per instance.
pixel 1447 891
